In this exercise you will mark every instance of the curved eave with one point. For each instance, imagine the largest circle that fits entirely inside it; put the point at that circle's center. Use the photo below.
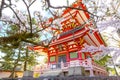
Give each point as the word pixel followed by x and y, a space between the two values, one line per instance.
pixel 94 38
pixel 70 37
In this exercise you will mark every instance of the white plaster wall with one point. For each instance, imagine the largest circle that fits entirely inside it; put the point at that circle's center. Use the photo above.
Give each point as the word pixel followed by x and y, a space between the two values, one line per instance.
pixel 4 74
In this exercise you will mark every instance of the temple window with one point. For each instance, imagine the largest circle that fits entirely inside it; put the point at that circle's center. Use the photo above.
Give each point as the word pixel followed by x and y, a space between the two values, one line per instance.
pixel 73 55
pixel 52 58
pixel 83 55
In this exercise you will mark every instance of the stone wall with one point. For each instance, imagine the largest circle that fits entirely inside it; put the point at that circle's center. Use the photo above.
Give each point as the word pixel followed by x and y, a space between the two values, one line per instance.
pixel 5 74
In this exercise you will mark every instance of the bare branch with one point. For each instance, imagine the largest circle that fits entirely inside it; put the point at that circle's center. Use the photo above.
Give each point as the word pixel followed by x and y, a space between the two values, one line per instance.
pixel 52 12
pixel 29 15
pixel 49 5
pixel 16 15
pixel 32 3
pixel 1 7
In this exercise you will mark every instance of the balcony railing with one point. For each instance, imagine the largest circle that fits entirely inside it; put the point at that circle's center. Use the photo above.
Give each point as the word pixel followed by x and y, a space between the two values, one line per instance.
pixel 87 64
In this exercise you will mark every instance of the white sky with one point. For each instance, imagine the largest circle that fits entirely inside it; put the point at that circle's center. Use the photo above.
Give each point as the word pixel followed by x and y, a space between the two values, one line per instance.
pixel 37 6
pixel 20 6
pixel 61 2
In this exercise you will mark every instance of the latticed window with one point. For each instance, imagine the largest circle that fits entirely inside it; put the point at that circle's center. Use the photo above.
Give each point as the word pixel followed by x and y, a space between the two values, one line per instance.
pixel 52 58
pixel 83 55
pixel 73 55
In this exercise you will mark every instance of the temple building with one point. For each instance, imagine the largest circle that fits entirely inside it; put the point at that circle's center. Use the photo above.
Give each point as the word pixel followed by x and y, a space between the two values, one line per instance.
pixel 64 56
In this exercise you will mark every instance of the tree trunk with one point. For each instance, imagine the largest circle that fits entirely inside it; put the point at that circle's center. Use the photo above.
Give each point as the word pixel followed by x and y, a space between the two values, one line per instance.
pixel 1 7
pixel 26 57
pixel 114 67
pixel 25 65
pixel 12 75
pixel 117 74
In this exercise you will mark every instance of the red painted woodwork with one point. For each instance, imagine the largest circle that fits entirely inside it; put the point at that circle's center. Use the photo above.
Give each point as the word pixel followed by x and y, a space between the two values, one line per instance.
pixel 76 32
pixel 72 38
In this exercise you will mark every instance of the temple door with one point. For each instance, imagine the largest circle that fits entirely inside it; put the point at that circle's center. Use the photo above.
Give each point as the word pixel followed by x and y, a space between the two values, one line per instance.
pixel 61 58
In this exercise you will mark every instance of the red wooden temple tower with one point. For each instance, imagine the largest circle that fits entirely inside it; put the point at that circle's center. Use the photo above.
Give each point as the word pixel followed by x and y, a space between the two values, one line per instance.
pixel 78 29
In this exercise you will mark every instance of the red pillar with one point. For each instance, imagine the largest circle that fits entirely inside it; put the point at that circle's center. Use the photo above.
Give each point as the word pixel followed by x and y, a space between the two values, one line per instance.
pixel 67 54
pixel 79 47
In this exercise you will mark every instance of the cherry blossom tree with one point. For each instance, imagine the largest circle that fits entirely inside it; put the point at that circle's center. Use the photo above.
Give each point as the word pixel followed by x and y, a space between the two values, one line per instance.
pixel 102 54
pixel 27 26
pixel 108 23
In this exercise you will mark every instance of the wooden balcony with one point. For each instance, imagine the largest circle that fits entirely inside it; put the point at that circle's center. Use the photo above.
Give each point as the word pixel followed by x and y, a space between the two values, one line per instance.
pixel 88 65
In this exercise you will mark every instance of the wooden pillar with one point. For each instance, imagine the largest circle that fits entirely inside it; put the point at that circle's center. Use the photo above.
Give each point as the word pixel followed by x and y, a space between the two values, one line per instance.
pixel 91 66
pixel 79 55
pixel 91 73
pixel 96 73
pixel 67 54
pixel 56 53
pixel 79 48
pixel 48 55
